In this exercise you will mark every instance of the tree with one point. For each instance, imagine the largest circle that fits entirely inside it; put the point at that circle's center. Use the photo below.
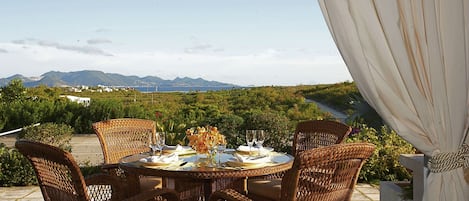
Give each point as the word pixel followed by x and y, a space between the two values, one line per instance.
pixel 14 91
pixel 278 128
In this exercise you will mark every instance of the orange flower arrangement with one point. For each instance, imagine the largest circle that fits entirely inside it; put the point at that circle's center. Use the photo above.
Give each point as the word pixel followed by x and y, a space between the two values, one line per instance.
pixel 204 139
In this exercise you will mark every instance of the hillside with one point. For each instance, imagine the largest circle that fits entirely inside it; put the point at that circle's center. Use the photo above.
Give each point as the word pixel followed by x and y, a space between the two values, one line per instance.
pixel 94 78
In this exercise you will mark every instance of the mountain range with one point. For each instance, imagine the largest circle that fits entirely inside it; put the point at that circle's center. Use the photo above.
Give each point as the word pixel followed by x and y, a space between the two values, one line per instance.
pixel 95 78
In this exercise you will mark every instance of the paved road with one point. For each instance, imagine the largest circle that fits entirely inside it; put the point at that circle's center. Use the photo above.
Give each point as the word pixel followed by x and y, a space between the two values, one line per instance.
pixel 335 113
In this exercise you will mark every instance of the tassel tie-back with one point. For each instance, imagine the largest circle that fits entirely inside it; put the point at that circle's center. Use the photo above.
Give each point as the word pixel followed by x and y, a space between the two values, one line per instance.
pixel 443 162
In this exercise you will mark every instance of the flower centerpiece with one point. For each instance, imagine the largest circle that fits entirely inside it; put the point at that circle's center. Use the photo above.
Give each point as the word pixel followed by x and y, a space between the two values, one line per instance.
pixel 205 139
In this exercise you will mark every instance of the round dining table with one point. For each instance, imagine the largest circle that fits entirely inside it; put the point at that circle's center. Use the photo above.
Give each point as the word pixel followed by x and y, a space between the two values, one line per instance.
pixel 195 180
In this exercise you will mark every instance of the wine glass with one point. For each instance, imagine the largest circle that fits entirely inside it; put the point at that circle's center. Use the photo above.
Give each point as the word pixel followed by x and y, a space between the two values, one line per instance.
pixel 153 145
pixel 160 141
pixel 220 149
pixel 260 134
pixel 250 139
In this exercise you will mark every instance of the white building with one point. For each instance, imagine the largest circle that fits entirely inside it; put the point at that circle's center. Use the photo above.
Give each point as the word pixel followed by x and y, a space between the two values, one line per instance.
pixel 80 100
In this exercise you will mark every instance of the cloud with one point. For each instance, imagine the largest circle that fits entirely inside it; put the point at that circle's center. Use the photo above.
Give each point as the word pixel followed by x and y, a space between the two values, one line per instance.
pixel 101 30
pixel 80 49
pixel 198 48
pixel 19 41
pixel 98 41
pixel 3 50
pixel 267 67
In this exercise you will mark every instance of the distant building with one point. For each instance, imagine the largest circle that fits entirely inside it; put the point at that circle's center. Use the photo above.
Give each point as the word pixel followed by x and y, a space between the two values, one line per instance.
pixel 107 89
pixel 81 100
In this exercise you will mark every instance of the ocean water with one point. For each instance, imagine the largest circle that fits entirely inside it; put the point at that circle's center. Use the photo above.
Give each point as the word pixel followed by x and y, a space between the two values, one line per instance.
pixel 182 89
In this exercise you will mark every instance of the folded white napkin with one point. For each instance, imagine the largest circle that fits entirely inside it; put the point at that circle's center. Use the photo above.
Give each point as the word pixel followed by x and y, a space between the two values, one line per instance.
pixel 169 158
pixel 252 159
pixel 263 150
pixel 177 148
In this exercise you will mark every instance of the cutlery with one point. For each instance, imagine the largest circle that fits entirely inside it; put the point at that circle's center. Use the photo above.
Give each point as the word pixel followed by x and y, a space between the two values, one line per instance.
pixel 182 164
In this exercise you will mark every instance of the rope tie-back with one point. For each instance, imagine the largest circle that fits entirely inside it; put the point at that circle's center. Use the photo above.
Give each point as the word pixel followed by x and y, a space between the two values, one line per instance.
pixel 447 161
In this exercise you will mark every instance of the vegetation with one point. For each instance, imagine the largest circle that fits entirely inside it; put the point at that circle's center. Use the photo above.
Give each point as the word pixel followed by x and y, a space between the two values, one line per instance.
pixel 58 135
pixel 15 169
pixel 384 164
pixel 275 109
pixel 340 95
pixel 43 104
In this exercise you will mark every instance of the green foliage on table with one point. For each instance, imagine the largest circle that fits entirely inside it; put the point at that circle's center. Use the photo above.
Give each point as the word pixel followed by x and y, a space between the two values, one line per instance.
pixel 58 135
pixel 15 169
pixel 384 164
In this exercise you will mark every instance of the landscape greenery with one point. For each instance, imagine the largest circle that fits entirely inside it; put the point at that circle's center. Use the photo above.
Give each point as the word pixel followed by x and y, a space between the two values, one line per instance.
pixel 272 108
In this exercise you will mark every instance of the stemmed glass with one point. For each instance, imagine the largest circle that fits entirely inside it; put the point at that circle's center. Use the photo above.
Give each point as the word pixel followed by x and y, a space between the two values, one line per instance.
pixel 220 149
pixel 153 145
pixel 160 141
pixel 260 140
pixel 251 139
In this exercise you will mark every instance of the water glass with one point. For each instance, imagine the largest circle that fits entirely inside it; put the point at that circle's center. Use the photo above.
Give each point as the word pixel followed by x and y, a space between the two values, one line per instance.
pixel 251 139
pixel 260 134
pixel 152 144
pixel 160 141
pixel 220 149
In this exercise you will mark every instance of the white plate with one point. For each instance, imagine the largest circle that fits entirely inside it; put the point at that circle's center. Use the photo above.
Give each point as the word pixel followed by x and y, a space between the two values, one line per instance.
pixel 147 161
pixel 244 148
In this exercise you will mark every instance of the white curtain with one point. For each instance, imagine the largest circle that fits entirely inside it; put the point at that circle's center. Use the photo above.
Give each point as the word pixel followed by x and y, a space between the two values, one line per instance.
pixel 410 61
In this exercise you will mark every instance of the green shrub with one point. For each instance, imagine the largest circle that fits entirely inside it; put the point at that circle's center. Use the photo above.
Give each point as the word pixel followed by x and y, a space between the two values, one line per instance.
pixel 175 132
pixel 229 125
pixel 277 126
pixel 58 135
pixel 15 169
pixel 384 164
pixel 87 169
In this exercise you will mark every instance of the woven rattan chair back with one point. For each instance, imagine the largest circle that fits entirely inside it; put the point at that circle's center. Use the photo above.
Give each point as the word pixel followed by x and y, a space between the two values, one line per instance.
pixel 58 175
pixel 318 133
pixel 60 178
pixel 123 137
pixel 327 173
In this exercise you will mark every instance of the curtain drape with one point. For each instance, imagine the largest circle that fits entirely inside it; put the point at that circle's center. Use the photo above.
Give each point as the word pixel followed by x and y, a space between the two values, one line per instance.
pixel 409 59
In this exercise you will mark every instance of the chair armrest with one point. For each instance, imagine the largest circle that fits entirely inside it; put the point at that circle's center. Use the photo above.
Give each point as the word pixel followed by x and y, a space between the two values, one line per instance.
pixel 99 184
pixel 168 194
pixel 229 195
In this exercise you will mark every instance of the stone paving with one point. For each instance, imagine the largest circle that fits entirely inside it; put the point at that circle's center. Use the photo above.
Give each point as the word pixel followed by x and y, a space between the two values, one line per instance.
pixel 86 150
pixel 363 192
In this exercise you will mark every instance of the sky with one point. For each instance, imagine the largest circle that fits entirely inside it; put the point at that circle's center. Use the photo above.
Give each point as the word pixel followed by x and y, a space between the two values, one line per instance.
pixel 242 42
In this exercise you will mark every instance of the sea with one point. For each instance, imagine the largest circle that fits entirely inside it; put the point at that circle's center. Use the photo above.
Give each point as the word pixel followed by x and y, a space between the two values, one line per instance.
pixel 149 89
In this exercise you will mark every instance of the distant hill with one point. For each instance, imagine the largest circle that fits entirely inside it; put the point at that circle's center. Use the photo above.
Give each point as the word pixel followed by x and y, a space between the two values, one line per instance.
pixel 94 78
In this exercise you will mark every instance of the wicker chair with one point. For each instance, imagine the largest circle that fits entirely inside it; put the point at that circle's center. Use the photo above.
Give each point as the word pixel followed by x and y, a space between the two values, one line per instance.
pixel 318 133
pixel 327 173
pixel 123 137
pixel 60 178
pixel 313 134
